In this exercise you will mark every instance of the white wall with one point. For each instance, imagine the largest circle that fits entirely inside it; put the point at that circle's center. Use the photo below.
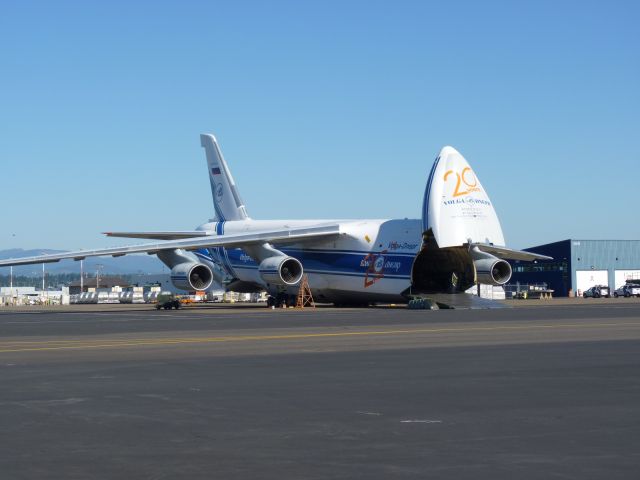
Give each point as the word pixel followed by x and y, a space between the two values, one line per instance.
pixel 585 279
pixel 621 277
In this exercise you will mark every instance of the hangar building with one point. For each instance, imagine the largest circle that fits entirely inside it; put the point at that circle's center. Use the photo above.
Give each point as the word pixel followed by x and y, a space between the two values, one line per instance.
pixel 580 264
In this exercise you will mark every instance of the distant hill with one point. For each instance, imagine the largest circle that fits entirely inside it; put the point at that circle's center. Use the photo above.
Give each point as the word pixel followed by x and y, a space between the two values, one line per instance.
pixel 128 264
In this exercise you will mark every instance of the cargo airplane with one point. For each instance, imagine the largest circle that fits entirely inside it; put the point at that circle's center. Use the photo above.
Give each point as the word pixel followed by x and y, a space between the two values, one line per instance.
pixel 457 244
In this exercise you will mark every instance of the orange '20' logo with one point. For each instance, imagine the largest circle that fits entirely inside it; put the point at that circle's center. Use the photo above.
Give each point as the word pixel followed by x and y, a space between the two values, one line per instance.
pixel 466 177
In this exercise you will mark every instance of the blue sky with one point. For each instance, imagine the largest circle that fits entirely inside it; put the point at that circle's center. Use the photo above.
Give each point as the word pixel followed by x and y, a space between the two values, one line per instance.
pixel 323 110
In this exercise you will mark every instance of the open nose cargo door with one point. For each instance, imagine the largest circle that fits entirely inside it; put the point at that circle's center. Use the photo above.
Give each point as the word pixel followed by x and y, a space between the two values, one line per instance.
pixel 456 214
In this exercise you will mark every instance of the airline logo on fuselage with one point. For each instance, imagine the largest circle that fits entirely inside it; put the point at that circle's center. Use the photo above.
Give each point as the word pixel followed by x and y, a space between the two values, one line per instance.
pixel 244 258
pixel 393 245
pixel 376 264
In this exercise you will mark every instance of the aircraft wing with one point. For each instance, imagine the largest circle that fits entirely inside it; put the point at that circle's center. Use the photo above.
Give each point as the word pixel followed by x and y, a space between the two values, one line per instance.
pixel 292 235
pixel 166 235
pixel 509 254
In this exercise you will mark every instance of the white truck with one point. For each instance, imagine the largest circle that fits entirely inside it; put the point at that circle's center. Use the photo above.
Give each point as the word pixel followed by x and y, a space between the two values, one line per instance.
pixel 627 290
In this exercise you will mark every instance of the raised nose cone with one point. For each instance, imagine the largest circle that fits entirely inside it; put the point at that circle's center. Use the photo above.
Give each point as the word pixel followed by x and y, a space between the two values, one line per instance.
pixel 448 150
pixel 455 206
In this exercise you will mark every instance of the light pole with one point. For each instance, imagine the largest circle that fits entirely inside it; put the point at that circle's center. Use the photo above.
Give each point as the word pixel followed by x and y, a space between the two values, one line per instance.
pixel 44 292
pixel 11 284
pixel 81 276
pixel 98 267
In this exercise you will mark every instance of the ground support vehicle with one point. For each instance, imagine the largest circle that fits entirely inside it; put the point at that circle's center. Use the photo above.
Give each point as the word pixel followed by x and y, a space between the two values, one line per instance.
pixel 627 290
pixel 597 291
pixel 167 301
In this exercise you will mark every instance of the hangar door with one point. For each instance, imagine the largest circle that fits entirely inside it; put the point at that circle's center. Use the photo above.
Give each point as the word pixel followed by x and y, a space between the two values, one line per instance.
pixel 622 276
pixel 585 279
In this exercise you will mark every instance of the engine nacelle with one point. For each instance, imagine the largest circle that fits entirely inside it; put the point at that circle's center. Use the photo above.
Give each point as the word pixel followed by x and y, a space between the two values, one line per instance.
pixel 191 276
pixel 281 270
pixel 492 271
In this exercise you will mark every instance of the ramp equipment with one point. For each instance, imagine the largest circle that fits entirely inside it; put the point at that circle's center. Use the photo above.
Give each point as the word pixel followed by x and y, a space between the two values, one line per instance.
pixel 305 298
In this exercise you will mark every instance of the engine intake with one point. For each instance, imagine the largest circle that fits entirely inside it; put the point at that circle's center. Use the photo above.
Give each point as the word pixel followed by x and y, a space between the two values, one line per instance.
pixel 492 271
pixel 191 276
pixel 281 270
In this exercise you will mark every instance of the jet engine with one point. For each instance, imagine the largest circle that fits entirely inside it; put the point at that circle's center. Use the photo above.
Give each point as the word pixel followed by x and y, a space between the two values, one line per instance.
pixel 281 270
pixel 492 271
pixel 191 276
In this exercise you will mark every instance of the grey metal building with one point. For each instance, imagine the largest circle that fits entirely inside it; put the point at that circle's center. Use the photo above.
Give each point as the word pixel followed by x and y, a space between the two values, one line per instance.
pixel 580 264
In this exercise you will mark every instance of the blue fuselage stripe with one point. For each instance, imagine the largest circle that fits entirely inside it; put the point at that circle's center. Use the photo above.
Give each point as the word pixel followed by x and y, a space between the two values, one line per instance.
pixel 330 262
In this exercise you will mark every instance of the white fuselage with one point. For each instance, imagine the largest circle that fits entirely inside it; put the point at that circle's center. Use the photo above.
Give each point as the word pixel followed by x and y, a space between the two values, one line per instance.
pixel 369 261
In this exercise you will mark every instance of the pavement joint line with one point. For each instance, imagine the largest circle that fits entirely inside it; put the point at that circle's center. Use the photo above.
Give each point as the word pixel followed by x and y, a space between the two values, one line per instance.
pixel 13 347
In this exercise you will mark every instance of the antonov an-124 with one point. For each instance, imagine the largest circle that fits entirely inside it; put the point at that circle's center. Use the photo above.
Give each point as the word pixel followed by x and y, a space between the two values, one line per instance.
pixel 457 244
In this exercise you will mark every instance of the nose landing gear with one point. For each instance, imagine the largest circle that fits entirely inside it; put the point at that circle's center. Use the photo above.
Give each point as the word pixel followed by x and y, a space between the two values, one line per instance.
pixel 281 300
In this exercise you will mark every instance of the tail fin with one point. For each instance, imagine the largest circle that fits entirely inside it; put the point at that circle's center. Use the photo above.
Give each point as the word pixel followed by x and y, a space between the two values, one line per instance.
pixel 456 207
pixel 226 199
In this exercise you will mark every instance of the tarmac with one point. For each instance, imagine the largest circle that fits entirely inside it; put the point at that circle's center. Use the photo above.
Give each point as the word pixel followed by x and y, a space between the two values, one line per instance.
pixel 543 390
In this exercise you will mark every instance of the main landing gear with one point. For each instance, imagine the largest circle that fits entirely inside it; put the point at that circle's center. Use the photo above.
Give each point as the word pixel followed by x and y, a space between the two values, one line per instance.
pixel 281 300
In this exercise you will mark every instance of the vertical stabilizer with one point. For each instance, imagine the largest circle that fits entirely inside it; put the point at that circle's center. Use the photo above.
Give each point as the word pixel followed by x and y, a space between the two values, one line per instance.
pixel 456 207
pixel 226 199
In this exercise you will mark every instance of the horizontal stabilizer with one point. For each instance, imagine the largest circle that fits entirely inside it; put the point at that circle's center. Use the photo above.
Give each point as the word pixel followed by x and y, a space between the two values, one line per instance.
pixel 292 235
pixel 169 235
pixel 509 254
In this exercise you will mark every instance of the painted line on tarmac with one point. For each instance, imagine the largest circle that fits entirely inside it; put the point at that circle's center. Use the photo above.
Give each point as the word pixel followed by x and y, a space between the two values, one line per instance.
pixel 123 320
pixel 35 346
pixel 152 317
